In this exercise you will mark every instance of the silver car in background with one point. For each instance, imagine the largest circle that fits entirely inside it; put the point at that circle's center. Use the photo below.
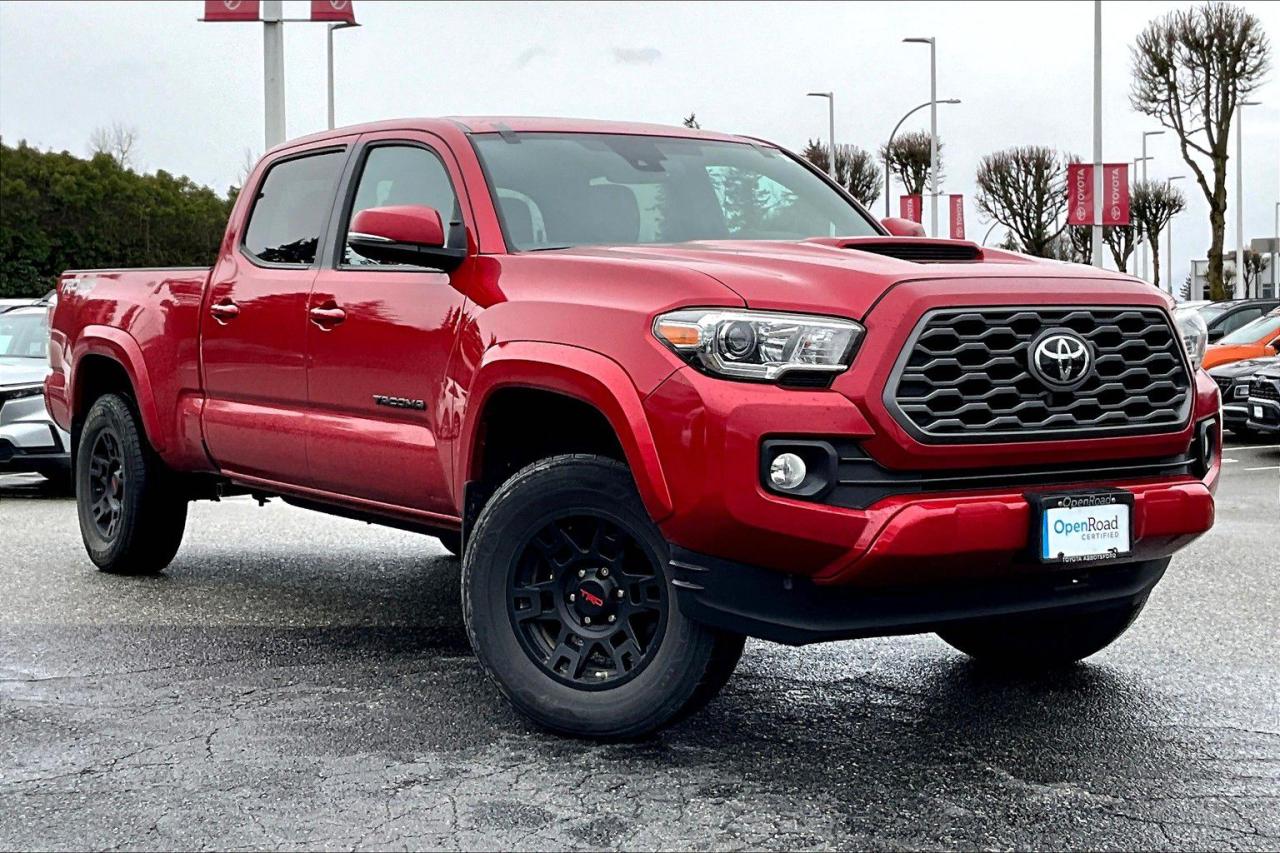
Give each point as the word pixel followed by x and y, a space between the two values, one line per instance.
pixel 29 439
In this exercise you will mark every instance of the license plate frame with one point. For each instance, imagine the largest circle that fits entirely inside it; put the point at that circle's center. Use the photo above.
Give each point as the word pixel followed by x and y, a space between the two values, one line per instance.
pixel 1043 505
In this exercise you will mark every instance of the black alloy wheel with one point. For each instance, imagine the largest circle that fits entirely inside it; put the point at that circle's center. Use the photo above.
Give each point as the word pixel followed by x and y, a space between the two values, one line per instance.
pixel 107 484
pixel 588 602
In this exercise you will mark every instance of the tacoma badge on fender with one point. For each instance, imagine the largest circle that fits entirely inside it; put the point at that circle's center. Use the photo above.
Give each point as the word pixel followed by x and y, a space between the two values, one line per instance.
pixel 399 402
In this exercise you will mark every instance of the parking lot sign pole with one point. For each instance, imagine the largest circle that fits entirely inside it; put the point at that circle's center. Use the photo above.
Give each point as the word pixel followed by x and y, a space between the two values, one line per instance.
pixel 1242 287
pixel 1097 133
pixel 273 70
pixel 831 119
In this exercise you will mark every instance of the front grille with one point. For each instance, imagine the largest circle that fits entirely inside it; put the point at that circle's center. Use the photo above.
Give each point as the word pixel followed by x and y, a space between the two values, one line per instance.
pixel 1224 384
pixel 923 253
pixel 1264 389
pixel 965 375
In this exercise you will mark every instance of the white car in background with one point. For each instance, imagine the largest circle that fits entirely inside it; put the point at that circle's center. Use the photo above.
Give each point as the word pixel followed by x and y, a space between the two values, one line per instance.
pixel 29 439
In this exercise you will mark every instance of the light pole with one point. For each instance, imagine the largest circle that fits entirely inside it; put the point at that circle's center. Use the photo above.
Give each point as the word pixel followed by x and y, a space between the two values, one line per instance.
pixel 1240 282
pixel 889 145
pixel 831 118
pixel 1097 133
pixel 342 26
pixel 1168 239
pixel 1145 158
pixel 933 130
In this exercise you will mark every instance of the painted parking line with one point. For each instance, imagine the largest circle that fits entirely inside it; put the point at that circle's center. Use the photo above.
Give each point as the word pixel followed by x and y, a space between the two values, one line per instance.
pixel 1267 468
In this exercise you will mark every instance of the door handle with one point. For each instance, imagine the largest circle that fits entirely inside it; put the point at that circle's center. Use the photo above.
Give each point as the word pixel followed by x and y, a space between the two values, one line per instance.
pixel 327 318
pixel 224 311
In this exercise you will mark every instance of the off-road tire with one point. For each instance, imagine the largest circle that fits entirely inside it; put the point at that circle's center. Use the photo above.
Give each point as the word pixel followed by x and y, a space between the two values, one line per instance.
pixel 1043 641
pixel 684 670
pixel 150 512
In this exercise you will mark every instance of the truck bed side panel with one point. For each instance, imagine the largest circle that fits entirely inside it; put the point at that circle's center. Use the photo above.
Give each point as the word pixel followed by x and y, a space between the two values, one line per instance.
pixel 147 320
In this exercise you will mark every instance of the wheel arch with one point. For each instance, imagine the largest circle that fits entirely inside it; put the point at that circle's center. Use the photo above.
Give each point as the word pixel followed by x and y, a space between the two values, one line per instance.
pixel 105 359
pixel 578 380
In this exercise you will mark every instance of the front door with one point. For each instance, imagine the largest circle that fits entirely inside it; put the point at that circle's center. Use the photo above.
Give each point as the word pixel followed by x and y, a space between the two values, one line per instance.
pixel 380 337
pixel 253 331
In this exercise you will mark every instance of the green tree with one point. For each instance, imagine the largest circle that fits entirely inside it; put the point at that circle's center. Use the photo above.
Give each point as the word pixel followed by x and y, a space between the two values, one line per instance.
pixel 1191 70
pixel 59 211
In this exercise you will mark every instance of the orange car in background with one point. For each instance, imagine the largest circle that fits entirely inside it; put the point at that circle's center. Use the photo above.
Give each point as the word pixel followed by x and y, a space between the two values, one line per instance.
pixel 1258 339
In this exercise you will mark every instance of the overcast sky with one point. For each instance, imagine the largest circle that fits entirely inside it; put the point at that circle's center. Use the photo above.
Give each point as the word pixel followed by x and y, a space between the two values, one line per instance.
pixel 1024 71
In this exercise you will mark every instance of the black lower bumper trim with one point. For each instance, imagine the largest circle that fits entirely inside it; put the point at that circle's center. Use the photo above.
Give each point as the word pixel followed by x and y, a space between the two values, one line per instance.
pixel 793 610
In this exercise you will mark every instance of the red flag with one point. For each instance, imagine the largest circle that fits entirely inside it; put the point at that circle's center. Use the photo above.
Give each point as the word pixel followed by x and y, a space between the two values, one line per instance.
pixel 333 10
pixel 911 207
pixel 230 10
pixel 957 217
pixel 1079 194
pixel 1115 194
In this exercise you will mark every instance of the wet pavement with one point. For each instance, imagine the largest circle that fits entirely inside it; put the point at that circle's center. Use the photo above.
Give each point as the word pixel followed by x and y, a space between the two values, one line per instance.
pixel 300 681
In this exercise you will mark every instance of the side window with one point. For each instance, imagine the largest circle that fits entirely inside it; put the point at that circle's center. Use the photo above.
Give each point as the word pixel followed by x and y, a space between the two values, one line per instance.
pixel 402 174
pixel 1238 319
pixel 292 205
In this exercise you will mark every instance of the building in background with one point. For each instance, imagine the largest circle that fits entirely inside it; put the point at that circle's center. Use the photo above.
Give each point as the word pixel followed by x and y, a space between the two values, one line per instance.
pixel 1266 288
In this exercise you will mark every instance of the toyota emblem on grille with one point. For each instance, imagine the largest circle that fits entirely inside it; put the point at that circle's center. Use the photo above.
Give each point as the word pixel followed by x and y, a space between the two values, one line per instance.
pixel 1061 360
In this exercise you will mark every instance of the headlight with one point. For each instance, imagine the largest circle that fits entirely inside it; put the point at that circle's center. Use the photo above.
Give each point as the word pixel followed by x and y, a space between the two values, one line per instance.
pixel 758 344
pixel 1194 333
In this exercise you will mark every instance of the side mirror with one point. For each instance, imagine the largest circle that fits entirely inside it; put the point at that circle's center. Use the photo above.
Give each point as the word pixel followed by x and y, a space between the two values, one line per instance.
pixel 403 234
pixel 899 227
pixel 1216 335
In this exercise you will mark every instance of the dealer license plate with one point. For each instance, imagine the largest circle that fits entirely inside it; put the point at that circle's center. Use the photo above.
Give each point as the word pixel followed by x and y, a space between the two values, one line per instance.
pixel 1083 526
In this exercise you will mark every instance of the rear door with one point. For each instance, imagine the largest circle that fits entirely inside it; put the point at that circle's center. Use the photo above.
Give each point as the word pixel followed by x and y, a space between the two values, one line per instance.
pixel 254 325
pixel 380 337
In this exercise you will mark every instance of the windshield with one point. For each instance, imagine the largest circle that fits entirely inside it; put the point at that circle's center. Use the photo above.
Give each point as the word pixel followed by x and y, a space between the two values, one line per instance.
pixel 1261 329
pixel 24 335
pixel 1209 313
pixel 555 190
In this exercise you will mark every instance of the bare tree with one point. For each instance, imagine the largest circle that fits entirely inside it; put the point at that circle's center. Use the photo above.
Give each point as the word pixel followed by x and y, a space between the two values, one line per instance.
pixel 1121 240
pixel 1024 189
pixel 1151 206
pixel 856 169
pixel 119 142
pixel 1254 265
pixel 1185 291
pixel 1080 238
pixel 691 121
pixel 908 158
pixel 1191 69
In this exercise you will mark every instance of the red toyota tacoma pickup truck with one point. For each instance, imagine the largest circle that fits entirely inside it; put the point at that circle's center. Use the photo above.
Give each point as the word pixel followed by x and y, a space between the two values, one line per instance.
pixel 662 389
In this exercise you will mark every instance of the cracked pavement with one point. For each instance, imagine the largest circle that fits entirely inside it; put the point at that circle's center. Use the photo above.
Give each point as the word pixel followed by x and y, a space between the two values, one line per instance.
pixel 296 681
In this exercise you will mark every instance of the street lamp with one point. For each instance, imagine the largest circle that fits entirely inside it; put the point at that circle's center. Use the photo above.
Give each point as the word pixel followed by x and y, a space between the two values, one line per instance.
pixel 342 26
pixel 933 130
pixel 831 117
pixel 1145 158
pixel 910 113
pixel 1240 281
pixel 1168 239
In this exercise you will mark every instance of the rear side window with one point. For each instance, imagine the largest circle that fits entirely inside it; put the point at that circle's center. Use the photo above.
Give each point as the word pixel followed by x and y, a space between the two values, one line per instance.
pixel 291 208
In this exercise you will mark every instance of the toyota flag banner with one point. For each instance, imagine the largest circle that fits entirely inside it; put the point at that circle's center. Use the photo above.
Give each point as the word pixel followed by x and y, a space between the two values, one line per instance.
pixel 333 10
pixel 230 10
pixel 911 207
pixel 1115 194
pixel 957 217
pixel 1079 194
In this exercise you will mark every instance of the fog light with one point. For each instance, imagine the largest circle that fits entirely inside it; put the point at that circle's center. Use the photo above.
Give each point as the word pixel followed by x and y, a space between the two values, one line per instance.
pixel 787 471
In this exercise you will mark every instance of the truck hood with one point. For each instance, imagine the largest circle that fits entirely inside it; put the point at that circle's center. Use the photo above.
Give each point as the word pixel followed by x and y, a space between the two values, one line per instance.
pixel 22 371
pixel 840 275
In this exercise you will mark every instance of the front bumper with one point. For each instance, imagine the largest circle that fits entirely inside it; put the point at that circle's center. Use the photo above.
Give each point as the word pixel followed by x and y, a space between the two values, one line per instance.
pixel 796 611
pixel 29 439
pixel 709 434
pixel 1263 415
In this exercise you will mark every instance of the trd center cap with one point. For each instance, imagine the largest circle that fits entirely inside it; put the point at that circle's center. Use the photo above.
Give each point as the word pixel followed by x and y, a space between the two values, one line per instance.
pixel 594 597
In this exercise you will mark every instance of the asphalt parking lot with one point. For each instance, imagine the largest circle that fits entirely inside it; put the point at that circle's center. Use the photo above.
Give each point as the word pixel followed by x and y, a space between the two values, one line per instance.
pixel 300 681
